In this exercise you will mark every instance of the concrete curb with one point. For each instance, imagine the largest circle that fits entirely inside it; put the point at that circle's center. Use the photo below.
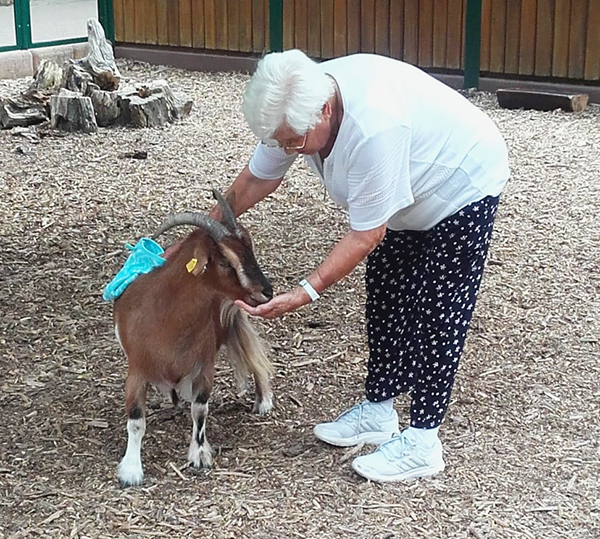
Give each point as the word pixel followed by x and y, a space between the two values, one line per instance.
pixel 20 64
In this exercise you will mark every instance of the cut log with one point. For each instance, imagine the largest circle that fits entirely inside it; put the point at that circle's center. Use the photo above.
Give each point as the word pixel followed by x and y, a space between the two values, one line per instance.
pixel 27 109
pixel 516 98
pixel 152 111
pixel 100 62
pixel 180 106
pixel 152 105
pixel 70 111
pixel 106 106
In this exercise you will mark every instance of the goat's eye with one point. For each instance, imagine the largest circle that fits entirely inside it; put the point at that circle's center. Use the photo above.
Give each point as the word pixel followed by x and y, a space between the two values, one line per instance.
pixel 225 264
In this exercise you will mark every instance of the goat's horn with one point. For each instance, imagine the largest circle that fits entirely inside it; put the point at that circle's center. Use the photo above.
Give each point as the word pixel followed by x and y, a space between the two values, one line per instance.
pixel 227 212
pixel 212 226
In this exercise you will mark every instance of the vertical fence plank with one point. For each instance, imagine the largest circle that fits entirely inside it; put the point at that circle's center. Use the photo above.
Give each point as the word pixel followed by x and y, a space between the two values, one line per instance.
pixel 576 61
pixel 233 25
pixel 326 28
pixel 486 30
pixel 426 33
pixel 353 23
pixel 185 23
pixel 592 53
pixel 267 26
pixel 314 28
pixel 454 34
pixel 162 30
pixel 560 48
pixel 221 24
pixel 463 36
pixel 498 36
pixel 289 24
pixel 340 28
pixel 139 21
pixel 367 26
pixel 118 14
pixel 129 21
pixel 301 26
pixel 246 25
pixel 513 36
pixel 173 23
pixel 527 37
pixel 440 26
pixel 198 24
pixel 543 41
pixel 382 27
pixel 259 25
pixel 210 25
pixel 411 32
pixel 397 29
pixel 150 25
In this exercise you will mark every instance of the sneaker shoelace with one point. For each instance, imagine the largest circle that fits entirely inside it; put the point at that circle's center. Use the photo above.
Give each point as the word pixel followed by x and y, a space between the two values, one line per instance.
pixel 395 448
pixel 349 415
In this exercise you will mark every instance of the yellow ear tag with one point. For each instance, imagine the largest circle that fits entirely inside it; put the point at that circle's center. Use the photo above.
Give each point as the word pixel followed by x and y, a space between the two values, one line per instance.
pixel 191 265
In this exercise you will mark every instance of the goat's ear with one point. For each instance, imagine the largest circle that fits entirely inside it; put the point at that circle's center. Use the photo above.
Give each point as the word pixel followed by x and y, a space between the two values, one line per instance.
pixel 197 264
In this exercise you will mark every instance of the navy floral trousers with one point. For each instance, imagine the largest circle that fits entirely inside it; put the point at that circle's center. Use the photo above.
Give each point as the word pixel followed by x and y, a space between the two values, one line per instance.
pixel 421 292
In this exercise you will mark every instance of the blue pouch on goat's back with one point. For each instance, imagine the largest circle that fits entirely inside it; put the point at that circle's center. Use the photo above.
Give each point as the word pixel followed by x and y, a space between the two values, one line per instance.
pixel 144 257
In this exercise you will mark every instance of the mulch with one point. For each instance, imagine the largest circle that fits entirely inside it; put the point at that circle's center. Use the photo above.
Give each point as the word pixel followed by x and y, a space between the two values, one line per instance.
pixel 522 434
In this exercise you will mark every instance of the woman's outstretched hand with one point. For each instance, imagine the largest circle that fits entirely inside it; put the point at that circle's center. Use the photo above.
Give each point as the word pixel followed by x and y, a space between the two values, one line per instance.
pixel 278 306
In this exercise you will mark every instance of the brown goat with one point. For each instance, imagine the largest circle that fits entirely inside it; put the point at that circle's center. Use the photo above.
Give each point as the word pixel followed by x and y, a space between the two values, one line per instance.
pixel 172 322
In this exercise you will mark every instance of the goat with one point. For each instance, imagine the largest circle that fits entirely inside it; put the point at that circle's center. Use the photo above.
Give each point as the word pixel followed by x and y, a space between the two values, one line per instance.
pixel 172 322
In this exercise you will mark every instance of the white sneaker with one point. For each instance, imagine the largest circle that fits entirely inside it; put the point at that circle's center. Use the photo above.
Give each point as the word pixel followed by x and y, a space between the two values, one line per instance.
pixel 366 422
pixel 400 459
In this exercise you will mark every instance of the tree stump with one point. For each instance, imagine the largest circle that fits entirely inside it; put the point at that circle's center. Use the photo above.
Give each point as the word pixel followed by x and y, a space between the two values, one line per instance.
pixel 70 111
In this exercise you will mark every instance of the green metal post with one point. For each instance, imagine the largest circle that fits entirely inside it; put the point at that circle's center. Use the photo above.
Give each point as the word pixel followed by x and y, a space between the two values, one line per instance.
pixel 22 23
pixel 472 44
pixel 106 18
pixel 276 25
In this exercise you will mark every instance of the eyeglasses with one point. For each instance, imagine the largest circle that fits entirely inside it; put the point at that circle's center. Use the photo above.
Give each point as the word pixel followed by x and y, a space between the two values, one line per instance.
pixel 287 146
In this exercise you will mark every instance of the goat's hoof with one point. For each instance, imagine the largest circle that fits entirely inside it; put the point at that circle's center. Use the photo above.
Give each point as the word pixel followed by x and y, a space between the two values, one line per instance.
pixel 264 406
pixel 130 475
pixel 200 458
pixel 201 464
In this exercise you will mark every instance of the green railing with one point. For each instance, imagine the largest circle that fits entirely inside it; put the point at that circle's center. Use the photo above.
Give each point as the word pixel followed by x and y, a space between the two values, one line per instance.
pixel 22 21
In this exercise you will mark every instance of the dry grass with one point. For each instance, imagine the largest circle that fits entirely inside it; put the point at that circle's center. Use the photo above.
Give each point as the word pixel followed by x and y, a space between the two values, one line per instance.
pixel 521 436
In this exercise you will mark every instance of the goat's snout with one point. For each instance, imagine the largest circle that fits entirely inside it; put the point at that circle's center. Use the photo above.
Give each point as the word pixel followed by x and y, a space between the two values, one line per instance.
pixel 261 295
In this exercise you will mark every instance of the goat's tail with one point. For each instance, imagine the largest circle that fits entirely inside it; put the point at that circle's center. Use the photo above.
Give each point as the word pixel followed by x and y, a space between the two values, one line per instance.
pixel 246 352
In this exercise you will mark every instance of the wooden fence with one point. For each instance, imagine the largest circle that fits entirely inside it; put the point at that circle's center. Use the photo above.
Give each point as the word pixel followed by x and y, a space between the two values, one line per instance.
pixel 545 38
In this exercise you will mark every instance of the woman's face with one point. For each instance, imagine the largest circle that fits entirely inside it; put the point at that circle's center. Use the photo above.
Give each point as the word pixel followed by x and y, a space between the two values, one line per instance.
pixel 308 144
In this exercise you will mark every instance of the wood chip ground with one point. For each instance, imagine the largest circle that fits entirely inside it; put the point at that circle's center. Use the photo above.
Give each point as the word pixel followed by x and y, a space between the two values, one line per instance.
pixel 521 436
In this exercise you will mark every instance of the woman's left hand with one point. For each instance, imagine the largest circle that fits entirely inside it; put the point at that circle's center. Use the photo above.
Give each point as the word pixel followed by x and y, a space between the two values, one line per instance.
pixel 278 306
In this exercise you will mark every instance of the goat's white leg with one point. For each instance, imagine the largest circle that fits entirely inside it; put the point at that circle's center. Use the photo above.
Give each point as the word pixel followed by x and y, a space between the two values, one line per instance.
pixel 200 452
pixel 130 471
pixel 263 403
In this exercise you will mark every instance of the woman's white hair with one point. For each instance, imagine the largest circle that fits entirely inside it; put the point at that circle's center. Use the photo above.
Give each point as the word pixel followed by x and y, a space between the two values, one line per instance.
pixel 287 88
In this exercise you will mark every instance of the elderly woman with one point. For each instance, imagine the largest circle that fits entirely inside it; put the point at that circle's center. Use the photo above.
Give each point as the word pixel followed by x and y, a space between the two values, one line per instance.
pixel 420 171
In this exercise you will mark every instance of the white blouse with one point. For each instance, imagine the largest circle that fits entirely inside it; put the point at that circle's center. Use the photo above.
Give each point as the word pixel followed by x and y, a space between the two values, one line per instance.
pixel 410 151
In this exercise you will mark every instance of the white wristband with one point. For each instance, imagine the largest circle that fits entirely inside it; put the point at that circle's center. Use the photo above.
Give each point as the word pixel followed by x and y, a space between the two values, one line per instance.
pixel 314 295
